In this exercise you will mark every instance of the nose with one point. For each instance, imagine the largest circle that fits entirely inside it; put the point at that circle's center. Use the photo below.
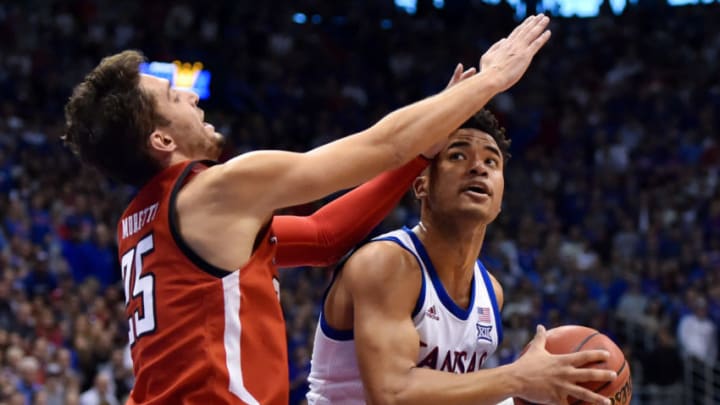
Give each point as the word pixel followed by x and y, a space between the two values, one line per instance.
pixel 191 95
pixel 194 98
pixel 477 168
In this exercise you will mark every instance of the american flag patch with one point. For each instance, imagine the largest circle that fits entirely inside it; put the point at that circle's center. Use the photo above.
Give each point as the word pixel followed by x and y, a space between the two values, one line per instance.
pixel 483 314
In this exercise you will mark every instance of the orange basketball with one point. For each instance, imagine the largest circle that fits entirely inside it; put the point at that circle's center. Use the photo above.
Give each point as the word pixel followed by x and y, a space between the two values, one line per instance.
pixel 574 338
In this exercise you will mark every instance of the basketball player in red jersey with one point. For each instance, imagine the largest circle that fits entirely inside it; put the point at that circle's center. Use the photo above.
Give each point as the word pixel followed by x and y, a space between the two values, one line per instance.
pixel 198 245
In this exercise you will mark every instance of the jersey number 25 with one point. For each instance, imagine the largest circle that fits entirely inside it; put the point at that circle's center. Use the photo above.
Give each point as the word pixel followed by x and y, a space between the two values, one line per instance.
pixel 140 288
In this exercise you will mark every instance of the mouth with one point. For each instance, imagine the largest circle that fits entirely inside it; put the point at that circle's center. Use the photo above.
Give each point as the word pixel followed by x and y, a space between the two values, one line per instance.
pixel 477 191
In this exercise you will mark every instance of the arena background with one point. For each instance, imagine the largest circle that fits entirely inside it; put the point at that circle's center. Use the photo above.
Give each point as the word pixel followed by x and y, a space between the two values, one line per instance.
pixel 612 210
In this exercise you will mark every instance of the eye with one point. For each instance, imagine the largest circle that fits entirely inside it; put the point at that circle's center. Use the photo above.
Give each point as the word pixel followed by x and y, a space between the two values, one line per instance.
pixel 456 156
pixel 492 162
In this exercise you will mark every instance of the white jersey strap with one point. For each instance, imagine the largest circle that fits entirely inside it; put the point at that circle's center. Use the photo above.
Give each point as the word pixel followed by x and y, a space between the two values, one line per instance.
pixel 493 300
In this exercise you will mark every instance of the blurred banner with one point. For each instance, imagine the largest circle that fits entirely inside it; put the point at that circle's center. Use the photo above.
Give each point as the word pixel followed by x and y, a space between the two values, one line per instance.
pixel 182 75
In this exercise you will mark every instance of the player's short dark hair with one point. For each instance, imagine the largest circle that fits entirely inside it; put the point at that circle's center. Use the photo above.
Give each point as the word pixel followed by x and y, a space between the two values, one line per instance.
pixel 109 118
pixel 485 121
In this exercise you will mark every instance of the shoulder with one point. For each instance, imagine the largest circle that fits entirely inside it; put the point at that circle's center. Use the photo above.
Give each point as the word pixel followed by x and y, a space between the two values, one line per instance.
pixel 250 182
pixel 208 177
pixel 221 189
pixel 382 268
pixel 381 261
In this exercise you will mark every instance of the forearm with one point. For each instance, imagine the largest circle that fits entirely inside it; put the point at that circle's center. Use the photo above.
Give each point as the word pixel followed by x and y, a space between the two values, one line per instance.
pixel 412 129
pixel 352 160
pixel 483 387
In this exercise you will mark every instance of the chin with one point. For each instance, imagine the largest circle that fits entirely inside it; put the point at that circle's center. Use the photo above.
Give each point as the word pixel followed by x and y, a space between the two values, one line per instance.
pixel 219 139
pixel 216 136
pixel 477 215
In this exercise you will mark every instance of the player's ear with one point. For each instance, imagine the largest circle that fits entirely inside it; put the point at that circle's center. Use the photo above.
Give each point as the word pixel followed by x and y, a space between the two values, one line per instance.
pixel 162 142
pixel 420 187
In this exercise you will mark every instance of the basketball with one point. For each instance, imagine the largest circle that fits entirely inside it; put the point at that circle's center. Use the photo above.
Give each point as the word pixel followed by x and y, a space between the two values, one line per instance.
pixel 574 338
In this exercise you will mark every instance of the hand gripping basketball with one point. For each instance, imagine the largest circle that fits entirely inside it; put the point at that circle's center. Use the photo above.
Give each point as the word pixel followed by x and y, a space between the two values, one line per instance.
pixel 547 378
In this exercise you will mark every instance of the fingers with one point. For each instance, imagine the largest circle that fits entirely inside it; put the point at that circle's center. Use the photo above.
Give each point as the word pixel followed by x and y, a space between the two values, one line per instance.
pixel 531 29
pixel 534 29
pixel 522 27
pixel 593 374
pixel 537 35
pixel 539 42
pixel 455 76
pixel 458 71
pixel 460 75
pixel 586 395
pixel 468 73
pixel 584 357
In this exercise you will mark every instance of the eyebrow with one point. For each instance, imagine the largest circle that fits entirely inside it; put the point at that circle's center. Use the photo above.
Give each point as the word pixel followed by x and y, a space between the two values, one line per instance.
pixel 459 144
pixel 493 149
pixel 466 144
pixel 167 90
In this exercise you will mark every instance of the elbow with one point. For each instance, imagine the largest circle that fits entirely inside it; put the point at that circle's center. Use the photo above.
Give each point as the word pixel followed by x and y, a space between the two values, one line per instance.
pixel 384 398
pixel 398 389
pixel 389 396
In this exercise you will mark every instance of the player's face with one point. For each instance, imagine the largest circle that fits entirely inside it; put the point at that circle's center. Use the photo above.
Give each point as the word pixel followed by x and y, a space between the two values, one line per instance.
pixel 466 181
pixel 194 137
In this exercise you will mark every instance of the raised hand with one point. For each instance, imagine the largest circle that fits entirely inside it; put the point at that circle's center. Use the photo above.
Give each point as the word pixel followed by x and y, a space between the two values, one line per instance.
pixel 508 59
pixel 550 378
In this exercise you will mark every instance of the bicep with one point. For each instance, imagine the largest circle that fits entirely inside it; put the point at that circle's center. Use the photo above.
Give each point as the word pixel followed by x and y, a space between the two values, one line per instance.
pixel 387 349
pixel 277 179
pixel 386 341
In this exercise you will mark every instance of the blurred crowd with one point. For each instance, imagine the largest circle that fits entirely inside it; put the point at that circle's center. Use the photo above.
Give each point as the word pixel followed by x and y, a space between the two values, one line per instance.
pixel 611 216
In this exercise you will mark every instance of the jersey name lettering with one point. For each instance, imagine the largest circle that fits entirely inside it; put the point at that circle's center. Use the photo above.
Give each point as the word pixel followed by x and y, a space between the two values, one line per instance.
pixel 134 222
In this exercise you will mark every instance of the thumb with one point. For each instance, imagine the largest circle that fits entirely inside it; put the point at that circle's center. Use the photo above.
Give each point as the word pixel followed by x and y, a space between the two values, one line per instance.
pixel 540 337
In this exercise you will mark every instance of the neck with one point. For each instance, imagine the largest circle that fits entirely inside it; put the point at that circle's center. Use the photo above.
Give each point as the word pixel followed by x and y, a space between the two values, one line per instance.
pixel 453 248
pixel 176 158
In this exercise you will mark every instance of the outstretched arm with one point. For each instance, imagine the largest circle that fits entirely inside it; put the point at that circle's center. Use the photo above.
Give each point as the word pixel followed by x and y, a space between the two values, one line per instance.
pixel 379 280
pixel 394 140
pixel 324 237
pixel 239 196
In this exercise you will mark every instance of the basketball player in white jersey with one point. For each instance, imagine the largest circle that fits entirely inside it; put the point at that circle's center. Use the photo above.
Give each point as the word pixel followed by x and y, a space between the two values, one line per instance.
pixel 411 316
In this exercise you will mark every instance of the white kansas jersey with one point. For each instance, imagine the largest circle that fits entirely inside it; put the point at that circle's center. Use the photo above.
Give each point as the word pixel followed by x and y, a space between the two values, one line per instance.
pixel 452 339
